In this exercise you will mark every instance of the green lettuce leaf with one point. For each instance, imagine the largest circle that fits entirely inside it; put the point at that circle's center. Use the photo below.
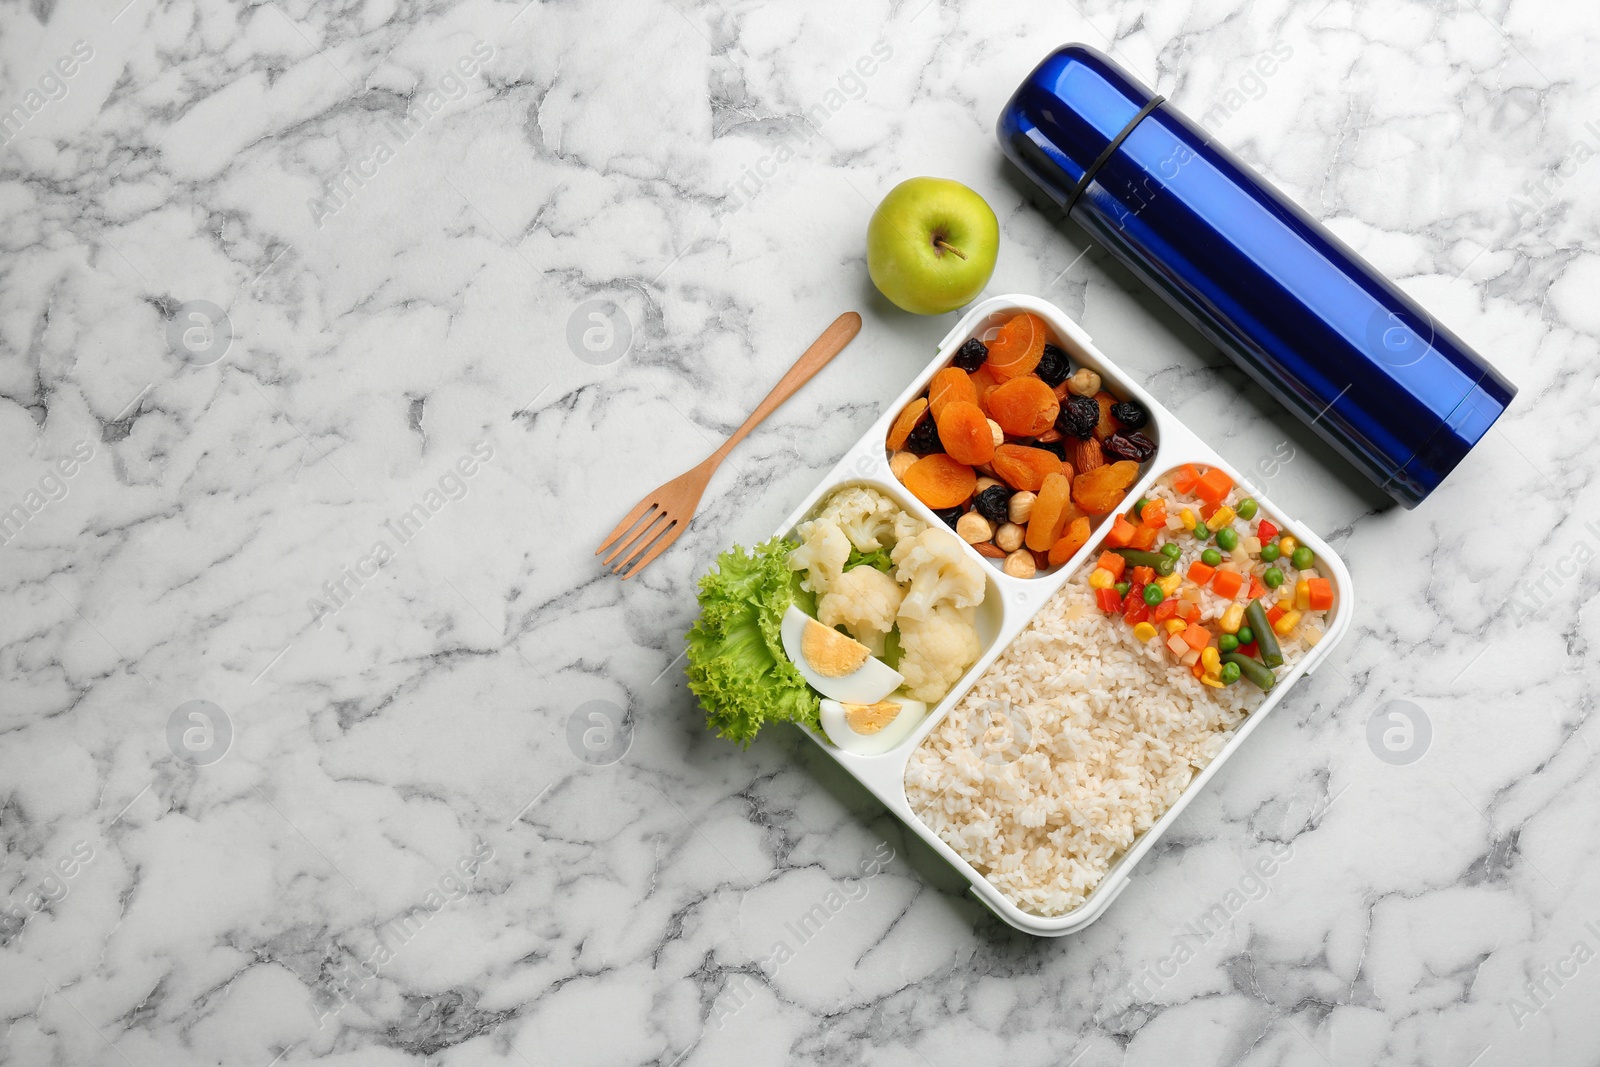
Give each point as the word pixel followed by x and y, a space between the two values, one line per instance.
pixel 736 662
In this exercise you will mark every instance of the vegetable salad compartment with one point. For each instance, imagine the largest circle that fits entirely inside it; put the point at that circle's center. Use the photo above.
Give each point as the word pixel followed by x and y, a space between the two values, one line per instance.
pixel 1029 610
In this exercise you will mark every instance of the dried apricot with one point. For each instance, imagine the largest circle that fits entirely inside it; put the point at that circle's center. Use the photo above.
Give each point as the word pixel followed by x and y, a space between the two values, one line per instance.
pixel 940 482
pixel 1107 425
pixel 964 432
pixel 1102 489
pixel 1022 467
pixel 905 423
pixel 1049 513
pixel 983 382
pixel 1075 537
pixel 1024 407
pixel 950 384
pixel 1019 347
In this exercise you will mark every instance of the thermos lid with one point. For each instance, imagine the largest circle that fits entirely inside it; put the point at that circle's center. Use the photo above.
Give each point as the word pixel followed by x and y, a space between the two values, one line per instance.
pixel 1342 347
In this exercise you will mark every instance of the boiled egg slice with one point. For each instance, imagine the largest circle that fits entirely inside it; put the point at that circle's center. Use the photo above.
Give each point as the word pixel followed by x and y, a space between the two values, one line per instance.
pixel 835 664
pixel 871 729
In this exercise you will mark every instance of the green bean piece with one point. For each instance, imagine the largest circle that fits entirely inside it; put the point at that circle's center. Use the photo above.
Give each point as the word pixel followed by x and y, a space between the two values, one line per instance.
pixel 1254 672
pixel 1162 565
pixel 1266 640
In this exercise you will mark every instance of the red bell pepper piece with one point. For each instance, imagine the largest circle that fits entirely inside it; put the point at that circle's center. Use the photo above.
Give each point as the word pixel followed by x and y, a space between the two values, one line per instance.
pixel 1266 531
pixel 1140 613
pixel 1165 610
pixel 1250 650
pixel 1274 614
pixel 1109 601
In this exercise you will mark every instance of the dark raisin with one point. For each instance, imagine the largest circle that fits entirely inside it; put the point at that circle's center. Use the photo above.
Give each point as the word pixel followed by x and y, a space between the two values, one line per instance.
pixel 1135 446
pixel 993 503
pixel 1053 367
pixel 1058 447
pixel 949 516
pixel 1130 414
pixel 970 356
pixel 924 438
pixel 1079 415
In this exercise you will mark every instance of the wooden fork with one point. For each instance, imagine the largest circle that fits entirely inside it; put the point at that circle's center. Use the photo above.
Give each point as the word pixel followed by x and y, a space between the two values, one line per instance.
pixel 660 518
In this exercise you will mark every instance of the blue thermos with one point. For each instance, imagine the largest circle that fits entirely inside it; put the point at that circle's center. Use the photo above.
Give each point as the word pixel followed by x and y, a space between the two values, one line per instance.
pixel 1394 391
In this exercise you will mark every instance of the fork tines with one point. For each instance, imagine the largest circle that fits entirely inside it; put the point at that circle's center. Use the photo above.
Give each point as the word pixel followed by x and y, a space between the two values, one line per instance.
pixel 648 526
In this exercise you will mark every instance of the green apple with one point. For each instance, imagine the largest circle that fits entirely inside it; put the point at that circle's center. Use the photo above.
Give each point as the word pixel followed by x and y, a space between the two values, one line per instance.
pixel 931 245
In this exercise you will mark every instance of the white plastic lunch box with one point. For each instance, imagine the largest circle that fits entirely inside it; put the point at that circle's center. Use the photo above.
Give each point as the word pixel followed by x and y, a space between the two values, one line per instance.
pixel 1010 603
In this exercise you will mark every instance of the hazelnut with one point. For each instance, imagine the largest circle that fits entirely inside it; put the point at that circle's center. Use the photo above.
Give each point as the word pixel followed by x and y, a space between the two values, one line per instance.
pixel 1009 537
pixel 973 528
pixel 1084 382
pixel 997 433
pixel 1020 507
pixel 985 483
pixel 901 462
pixel 1019 564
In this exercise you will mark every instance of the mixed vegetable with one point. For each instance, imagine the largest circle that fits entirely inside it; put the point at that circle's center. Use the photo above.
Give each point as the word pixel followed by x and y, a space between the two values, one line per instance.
pixel 1016 450
pixel 1222 590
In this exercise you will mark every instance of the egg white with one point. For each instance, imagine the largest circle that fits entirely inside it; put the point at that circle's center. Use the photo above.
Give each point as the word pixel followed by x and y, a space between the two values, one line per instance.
pixel 837 726
pixel 867 684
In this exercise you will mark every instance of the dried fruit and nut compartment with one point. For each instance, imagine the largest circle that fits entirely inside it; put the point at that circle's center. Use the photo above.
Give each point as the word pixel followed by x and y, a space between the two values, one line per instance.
pixel 1022 443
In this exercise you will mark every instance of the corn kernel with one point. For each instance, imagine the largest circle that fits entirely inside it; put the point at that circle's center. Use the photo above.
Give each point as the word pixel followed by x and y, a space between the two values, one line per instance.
pixel 1302 594
pixel 1175 626
pixel 1286 623
pixel 1170 583
pixel 1143 632
pixel 1287 545
pixel 1101 579
pixel 1223 516
pixel 1232 619
pixel 1215 683
pixel 1211 659
pixel 1187 518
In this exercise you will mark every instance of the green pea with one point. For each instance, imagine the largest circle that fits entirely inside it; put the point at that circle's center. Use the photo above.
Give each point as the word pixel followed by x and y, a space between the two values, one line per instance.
pixel 1245 635
pixel 1273 577
pixel 1202 531
pixel 1211 557
pixel 1269 553
pixel 1230 673
pixel 1153 594
pixel 1227 643
pixel 1227 539
pixel 1172 550
pixel 1138 506
pixel 1247 508
pixel 1122 588
pixel 1303 558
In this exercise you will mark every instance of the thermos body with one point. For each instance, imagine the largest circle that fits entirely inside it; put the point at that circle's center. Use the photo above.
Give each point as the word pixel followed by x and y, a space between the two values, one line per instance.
pixel 1341 346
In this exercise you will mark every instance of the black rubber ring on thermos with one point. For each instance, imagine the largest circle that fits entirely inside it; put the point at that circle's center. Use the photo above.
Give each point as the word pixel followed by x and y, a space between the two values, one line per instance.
pixel 1116 142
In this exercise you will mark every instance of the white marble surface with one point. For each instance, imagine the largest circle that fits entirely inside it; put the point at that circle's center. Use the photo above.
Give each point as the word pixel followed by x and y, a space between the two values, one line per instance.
pixel 417 724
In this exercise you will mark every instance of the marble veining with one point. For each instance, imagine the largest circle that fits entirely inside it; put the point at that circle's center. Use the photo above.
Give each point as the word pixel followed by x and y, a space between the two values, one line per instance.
pixel 323 736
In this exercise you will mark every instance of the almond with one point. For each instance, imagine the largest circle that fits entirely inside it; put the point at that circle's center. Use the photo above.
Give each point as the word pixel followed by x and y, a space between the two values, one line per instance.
pixel 1087 455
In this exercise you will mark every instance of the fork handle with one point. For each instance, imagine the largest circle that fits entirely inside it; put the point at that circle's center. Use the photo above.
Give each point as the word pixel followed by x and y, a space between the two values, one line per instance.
pixel 813 359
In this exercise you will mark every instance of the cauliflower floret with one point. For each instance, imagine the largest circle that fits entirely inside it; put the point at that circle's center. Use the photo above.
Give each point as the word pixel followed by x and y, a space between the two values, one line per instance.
pixel 939 573
pixel 869 519
pixel 822 554
pixel 935 650
pixel 866 600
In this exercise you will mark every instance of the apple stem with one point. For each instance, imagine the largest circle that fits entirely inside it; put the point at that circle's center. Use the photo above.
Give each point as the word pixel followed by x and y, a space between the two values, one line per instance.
pixel 944 246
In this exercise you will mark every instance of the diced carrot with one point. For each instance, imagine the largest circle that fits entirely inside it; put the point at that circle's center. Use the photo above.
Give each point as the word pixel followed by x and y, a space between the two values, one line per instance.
pixel 1121 532
pixel 1197 636
pixel 1274 614
pixel 1197 669
pixel 1154 514
pixel 1214 486
pixel 1208 510
pixel 1185 479
pixel 1200 573
pixel 1143 575
pixel 1321 593
pixel 1257 588
pixel 1266 531
pixel 1227 584
pixel 1165 610
pixel 1144 539
pixel 1113 563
